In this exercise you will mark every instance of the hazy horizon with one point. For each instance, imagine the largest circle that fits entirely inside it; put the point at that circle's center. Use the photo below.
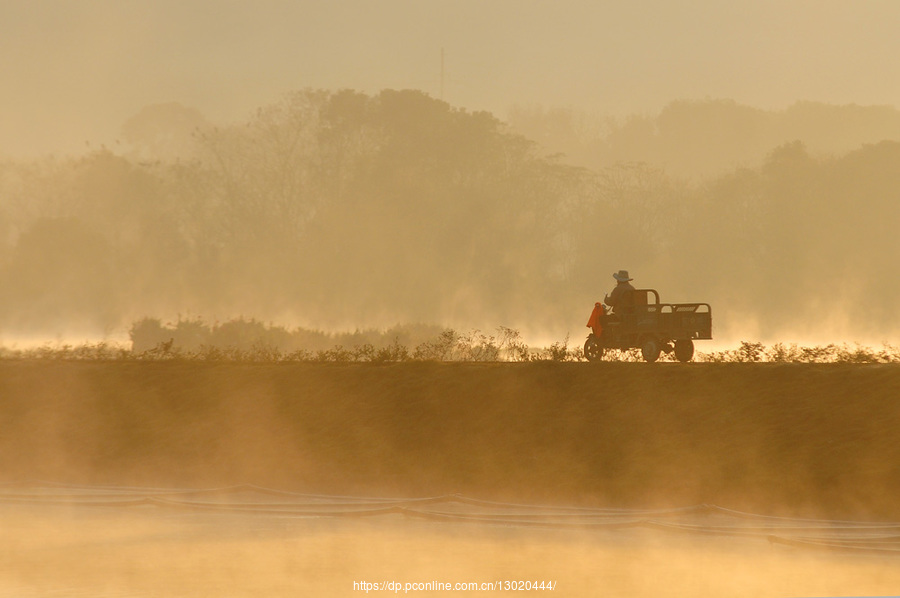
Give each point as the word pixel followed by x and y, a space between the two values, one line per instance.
pixel 392 207
pixel 73 73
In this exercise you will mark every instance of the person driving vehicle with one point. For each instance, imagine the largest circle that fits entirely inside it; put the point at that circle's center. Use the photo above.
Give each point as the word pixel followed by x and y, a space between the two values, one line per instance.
pixel 618 297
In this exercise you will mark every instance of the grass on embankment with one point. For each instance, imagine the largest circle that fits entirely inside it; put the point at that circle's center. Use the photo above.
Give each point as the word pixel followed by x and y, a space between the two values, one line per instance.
pixel 776 438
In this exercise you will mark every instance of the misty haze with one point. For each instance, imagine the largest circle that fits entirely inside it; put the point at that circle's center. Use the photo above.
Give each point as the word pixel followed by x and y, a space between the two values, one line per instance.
pixel 293 297
pixel 342 210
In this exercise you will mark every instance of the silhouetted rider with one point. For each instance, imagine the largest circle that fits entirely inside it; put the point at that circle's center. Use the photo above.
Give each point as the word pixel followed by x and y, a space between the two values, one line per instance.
pixel 620 296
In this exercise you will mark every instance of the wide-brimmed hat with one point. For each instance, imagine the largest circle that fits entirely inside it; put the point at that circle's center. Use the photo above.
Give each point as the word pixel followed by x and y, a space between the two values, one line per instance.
pixel 622 276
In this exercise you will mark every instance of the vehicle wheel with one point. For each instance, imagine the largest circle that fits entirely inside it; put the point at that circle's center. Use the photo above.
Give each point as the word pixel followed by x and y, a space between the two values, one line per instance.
pixel 593 351
pixel 684 350
pixel 650 350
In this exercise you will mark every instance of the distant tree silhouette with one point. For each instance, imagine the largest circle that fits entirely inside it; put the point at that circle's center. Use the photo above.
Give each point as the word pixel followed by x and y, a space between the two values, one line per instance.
pixel 352 210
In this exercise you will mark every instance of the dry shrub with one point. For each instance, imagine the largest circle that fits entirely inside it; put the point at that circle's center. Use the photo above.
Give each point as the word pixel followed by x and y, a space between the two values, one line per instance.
pixel 244 340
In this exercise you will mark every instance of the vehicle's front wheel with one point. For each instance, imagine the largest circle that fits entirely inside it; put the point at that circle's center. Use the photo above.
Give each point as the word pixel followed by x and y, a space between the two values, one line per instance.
pixel 650 350
pixel 684 350
pixel 593 351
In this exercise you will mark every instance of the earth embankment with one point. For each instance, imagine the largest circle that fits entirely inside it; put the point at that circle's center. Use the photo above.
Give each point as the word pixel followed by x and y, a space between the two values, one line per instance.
pixel 777 438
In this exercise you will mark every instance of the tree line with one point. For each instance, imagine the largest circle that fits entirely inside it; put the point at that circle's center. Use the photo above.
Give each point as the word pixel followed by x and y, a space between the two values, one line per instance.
pixel 343 210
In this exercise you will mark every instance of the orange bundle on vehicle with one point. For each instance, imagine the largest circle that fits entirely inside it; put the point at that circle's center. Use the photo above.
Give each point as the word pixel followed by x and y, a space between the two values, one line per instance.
pixel 596 316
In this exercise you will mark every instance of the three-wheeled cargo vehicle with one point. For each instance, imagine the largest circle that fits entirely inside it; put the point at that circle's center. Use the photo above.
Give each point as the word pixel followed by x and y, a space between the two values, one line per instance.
pixel 642 322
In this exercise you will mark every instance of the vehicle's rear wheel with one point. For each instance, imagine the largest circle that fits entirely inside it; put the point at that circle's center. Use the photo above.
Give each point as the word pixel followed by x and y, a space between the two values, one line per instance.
pixel 684 349
pixel 593 351
pixel 650 350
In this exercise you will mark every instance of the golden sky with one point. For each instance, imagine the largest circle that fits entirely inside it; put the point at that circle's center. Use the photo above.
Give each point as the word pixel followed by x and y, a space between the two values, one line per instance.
pixel 72 72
